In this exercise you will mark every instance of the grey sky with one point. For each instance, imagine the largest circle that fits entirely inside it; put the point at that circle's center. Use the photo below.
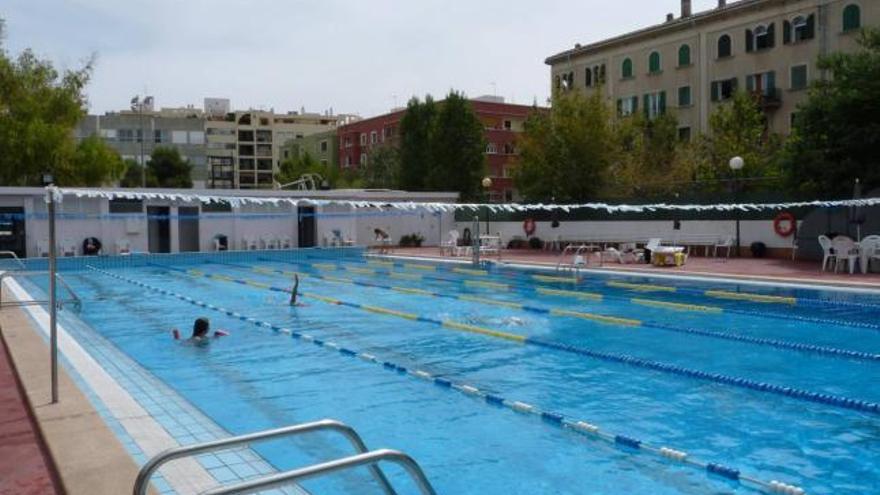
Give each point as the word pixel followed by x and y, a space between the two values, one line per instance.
pixel 351 55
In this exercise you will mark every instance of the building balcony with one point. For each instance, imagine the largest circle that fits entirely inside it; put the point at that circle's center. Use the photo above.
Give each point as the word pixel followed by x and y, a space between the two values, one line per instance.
pixel 768 99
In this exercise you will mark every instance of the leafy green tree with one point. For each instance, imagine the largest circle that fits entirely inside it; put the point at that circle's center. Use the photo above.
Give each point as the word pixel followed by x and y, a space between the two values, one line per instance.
pixel 836 135
pixel 170 169
pixel 293 168
pixel 383 168
pixel 738 128
pixel 566 153
pixel 133 176
pixel 93 164
pixel 416 157
pixel 39 109
pixel 457 148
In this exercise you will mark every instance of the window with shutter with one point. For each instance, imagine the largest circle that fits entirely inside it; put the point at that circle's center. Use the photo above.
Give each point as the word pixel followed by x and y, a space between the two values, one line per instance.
pixel 588 77
pixel 684 96
pixel 750 83
pixel 662 105
pixel 635 104
pixel 724 46
pixel 654 63
pixel 771 35
pixel 798 77
pixel 684 56
pixel 852 17
pixel 750 41
pixel 626 69
pixel 716 91
pixel 786 33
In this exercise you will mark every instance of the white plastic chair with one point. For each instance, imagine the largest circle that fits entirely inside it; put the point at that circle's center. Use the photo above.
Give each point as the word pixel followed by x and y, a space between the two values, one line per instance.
pixel 269 242
pixel 285 243
pixel 845 250
pixel 450 245
pixel 827 251
pixel 869 250
pixel 68 247
pixel 248 243
pixel 726 243
pixel 43 248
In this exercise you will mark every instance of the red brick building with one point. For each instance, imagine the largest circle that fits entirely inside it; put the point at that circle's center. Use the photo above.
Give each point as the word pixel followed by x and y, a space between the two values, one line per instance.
pixel 502 122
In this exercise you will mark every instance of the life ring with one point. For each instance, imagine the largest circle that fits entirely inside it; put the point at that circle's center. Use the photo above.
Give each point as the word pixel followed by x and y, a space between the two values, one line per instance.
pixel 784 224
pixel 529 226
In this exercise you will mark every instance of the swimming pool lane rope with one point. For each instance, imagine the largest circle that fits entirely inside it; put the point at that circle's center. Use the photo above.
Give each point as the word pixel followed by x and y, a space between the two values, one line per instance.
pixel 629 444
pixel 606 319
pixel 733 381
pixel 641 288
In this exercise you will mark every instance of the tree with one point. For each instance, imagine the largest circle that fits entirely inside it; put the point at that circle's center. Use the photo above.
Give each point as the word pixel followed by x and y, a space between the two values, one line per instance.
pixel 383 168
pixel 565 154
pixel 416 157
pixel 39 109
pixel 457 148
pixel 738 128
pixel 169 169
pixel 836 132
pixel 133 176
pixel 93 164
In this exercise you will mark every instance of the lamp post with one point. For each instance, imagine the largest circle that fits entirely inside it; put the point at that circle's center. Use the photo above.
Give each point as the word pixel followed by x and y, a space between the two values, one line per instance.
pixel 736 164
pixel 487 184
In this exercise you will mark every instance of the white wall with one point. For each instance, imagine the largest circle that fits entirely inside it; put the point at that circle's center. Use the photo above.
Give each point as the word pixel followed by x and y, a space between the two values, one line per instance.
pixel 750 230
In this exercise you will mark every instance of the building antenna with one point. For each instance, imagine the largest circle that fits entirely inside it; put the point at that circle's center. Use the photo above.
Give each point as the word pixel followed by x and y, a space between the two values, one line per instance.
pixel 494 88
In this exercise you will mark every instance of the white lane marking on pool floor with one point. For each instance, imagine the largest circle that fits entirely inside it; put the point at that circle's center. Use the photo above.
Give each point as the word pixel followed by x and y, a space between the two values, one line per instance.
pixel 184 475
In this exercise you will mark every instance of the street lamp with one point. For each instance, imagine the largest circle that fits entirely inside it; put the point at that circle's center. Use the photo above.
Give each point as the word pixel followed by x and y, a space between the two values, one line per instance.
pixel 736 164
pixel 487 184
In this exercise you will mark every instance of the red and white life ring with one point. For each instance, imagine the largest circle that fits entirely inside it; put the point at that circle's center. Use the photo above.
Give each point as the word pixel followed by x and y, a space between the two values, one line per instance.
pixel 784 224
pixel 529 226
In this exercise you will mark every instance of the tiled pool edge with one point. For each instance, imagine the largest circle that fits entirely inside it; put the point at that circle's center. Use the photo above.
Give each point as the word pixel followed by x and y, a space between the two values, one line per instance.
pixel 144 391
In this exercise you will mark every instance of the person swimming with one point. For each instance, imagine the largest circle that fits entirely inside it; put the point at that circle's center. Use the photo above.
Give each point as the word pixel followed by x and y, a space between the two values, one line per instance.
pixel 293 292
pixel 201 329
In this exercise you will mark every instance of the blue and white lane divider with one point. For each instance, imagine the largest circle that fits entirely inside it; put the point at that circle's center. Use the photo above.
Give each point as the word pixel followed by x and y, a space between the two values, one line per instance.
pixel 565 422
pixel 775 343
pixel 728 309
pixel 729 380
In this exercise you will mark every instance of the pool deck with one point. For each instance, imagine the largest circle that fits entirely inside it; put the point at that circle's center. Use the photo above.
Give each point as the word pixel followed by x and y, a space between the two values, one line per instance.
pixel 764 269
pixel 69 435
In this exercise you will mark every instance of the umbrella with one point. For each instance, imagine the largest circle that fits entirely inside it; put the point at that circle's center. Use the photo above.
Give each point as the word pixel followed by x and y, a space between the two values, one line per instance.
pixel 857 214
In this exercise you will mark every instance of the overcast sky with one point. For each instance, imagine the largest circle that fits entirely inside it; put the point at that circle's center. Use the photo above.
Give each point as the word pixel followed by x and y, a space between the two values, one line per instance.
pixel 355 56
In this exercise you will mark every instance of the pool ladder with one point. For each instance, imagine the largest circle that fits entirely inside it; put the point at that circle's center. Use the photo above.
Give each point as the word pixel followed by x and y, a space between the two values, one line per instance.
pixel 578 260
pixel 74 300
pixel 363 457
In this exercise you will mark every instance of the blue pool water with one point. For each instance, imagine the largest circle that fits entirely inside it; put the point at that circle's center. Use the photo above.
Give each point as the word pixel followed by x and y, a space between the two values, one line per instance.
pixel 825 344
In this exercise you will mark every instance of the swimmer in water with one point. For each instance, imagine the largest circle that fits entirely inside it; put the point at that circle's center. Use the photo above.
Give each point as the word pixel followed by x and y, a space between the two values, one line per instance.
pixel 201 330
pixel 293 292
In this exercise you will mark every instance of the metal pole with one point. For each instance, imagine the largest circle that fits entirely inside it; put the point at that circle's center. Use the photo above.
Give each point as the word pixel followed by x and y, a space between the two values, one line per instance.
pixel 475 241
pixel 143 163
pixel 53 308
pixel 738 212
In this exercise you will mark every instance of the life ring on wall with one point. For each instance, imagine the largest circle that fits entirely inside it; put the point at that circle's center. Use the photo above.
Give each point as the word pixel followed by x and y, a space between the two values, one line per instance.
pixel 529 226
pixel 784 224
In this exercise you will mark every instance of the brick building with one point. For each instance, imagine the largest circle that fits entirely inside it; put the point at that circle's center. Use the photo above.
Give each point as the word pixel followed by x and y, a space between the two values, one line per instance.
pixel 502 123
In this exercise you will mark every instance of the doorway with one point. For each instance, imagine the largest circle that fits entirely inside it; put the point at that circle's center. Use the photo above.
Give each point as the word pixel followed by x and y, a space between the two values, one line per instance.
pixel 159 229
pixel 306 229
pixel 188 228
pixel 12 236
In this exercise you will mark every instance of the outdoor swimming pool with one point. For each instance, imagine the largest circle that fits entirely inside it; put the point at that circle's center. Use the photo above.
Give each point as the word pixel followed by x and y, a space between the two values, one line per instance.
pixel 778 384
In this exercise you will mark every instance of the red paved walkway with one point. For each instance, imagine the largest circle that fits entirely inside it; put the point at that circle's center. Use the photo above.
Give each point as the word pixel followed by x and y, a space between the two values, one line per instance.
pixel 24 468
pixel 764 268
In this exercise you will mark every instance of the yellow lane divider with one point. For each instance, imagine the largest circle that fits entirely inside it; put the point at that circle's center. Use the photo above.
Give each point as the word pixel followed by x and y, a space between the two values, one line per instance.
pixel 676 306
pixel 484 331
pixel 405 276
pixel 744 296
pixel 641 287
pixel 591 296
pixel 486 285
pixel 468 271
pixel 387 264
pixel 324 266
pixel 361 271
pixel 491 302
pixel 390 312
pixel 613 320
pixel 409 290
pixel 427 268
pixel 547 278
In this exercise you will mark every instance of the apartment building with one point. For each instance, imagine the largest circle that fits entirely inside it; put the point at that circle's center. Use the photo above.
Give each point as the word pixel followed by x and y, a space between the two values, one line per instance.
pixel 244 148
pixel 323 147
pixel 502 123
pixel 691 64
pixel 135 134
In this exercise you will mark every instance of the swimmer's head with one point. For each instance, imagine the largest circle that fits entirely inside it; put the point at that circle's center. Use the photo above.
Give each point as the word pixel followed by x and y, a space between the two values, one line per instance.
pixel 201 327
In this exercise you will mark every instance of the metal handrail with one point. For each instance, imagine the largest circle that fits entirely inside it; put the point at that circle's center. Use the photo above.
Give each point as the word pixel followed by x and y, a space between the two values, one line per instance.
pixel 368 458
pixel 76 301
pixel 146 472
pixel 16 258
pixel 578 250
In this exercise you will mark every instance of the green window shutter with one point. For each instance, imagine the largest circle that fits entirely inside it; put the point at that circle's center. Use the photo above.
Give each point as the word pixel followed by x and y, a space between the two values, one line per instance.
pixel 771 35
pixel 647 105
pixel 635 104
pixel 852 18
pixel 716 91
pixel 750 83
pixel 811 27
pixel 799 77
pixel 654 63
pixel 786 33
pixel 684 56
pixel 619 107
pixel 684 96
pixel 770 87
pixel 662 102
pixel 750 41
pixel 626 69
